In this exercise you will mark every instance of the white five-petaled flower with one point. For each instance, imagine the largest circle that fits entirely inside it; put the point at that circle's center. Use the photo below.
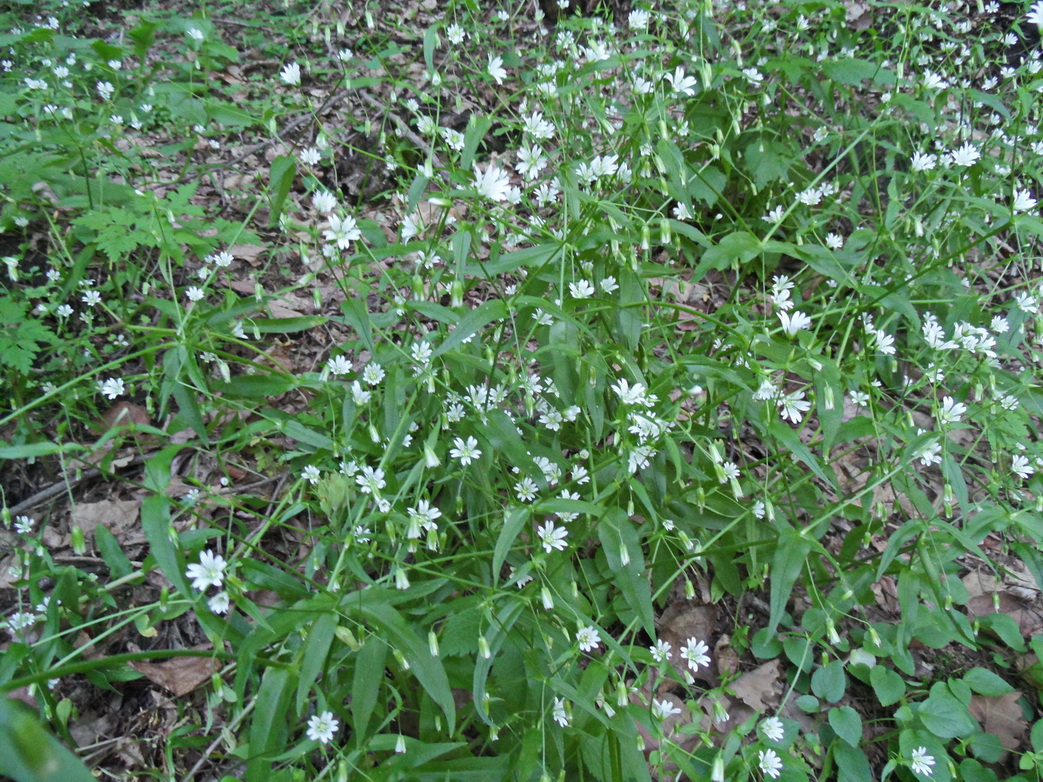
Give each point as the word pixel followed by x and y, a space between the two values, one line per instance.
pixel 793 406
pixel 493 183
pixel 560 715
pixel 660 651
pixel 496 69
pixel 664 709
pixel 210 571
pixel 219 603
pixel 694 653
pixel 291 74
pixel 467 451
pixel 552 537
pixel 1020 466
pixel 681 82
pixel 921 762
pixel 770 763
pixel 952 411
pixel 794 322
pixel 112 387
pixel 321 727
pixel 1023 200
pixel 1035 14
pixel 588 638
pixel 342 231
pixel 965 156
pixel 923 161
pixel 772 729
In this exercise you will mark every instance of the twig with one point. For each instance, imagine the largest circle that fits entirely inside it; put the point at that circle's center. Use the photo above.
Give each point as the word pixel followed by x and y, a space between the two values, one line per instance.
pixel 62 486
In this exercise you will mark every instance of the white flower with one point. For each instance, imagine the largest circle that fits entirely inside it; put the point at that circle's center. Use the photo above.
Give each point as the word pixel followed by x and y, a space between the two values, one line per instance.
pixel 660 651
pixel 1023 200
pixel 952 411
pixel 291 74
pixel 194 293
pixel 921 762
pixel 338 365
pixel 209 572
pixel 105 89
pixel 466 452
pixel 581 290
pixel 195 33
pixel 664 709
pixel 965 156
pixel 609 285
pixel 526 489
pixel 632 395
pixel 588 638
pixel 321 727
pixel 772 729
pixel 770 763
pixel 560 715
pixel 493 184
pixel 112 387
pixel 371 480
pixel 694 652
pixel 552 537
pixel 923 162
pixel 885 343
pixel 311 474
pixel 834 241
pixel 324 201
pixel 1035 14
pixel 1020 465
pixel 681 82
pixel 219 603
pixel 793 406
pixel 496 69
pixel 794 322
pixel 342 231
pixel 23 525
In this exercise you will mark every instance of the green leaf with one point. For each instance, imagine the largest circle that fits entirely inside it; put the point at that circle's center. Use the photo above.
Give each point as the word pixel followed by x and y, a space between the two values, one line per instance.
pixel 280 180
pixel 946 717
pixel 739 246
pixel 852 764
pixel 32 450
pixel 369 674
pixel 622 546
pixel 155 520
pixel 493 310
pixel 316 647
pixel 887 684
pixel 854 71
pixel 791 550
pixel 985 682
pixel 268 729
pixel 110 551
pixel 829 681
pixel 31 754
pixel 512 526
pixel 286 325
pixel 846 724
pixel 143 35
pixel 356 315
pixel 427 668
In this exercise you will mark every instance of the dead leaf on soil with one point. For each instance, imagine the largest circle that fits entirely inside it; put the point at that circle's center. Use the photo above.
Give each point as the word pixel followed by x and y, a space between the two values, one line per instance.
pixel 120 517
pixel 179 675
pixel 251 253
pixel 125 414
pixel 758 688
pixel 1002 716
pixel 1029 620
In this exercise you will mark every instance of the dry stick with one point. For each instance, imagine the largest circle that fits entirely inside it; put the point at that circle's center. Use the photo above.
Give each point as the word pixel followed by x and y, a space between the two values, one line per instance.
pixel 61 487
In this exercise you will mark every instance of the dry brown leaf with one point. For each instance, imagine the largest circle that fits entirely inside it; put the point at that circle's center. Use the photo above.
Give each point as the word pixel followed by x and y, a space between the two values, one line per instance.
pixel 120 517
pixel 1001 715
pixel 251 253
pixel 179 675
pixel 1029 620
pixel 125 414
pixel 758 688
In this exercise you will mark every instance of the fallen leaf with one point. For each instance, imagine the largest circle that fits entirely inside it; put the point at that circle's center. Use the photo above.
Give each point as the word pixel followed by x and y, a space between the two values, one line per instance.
pixel 179 675
pixel 120 517
pixel 1001 715
pixel 125 414
pixel 757 688
pixel 1029 620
